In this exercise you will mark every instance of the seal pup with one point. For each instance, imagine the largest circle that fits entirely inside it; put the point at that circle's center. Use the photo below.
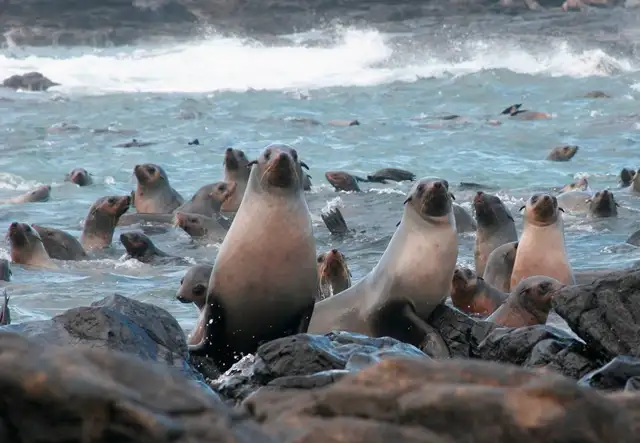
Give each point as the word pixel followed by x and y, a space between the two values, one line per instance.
pixel 333 274
pixel 201 227
pixel 563 153
pixel 5 270
pixel 497 272
pixel 27 247
pixel 38 194
pixel 541 248
pixel 343 181
pixel 236 170
pixel 193 289
pixel 208 200
pixel 626 176
pixel 528 304
pixel 5 314
pixel 60 245
pixel 140 247
pixel 102 221
pixel 464 220
pixel 413 276
pixel 79 176
pixel 515 112
pixel 495 227
pixel 393 174
pixel 154 193
pixel 471 294
pixel 603 204
pixel 264 281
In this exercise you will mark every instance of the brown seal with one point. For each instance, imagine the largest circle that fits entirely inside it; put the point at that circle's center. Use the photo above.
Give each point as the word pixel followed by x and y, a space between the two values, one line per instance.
pixel 5 270
pixel 515 112
pixel 26 246
pixel 343 181
pixel 333 274
pixel 603 204
pixel 79 176
pixel 265 280
pixel 208 200
pixel 464 220
pixel 392 174
pixel 471 294
pixel 581 184
pixel 541 248
pixel 154 193
pixel 563 153
pixel 141 248
pixel 306 182
pixel 193 289
pixel 528 304
pixel 102 220
pixel 60 245
pixel 38 194
pixel 597 94
pixel 499 266
pixel 343 123
pixel 201 227
pixel 236 170
pixel 626 176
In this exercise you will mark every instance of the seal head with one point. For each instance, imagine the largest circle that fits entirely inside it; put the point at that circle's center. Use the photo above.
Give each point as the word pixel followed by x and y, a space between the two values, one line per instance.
pixel 102 220
pixel 194 285
pixel 603 204
pixel 26 245
pixel 542 210
pixel 79 176
pixel 333 273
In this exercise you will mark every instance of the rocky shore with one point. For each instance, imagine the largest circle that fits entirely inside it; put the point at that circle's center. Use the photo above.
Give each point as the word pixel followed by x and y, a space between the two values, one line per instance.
pixel 119 370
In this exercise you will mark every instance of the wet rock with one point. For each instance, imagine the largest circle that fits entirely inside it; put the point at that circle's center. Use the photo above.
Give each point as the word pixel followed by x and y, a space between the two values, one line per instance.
pixel 605 314
pixel 31 81
pixel 568 357
pixel 615 375
pixel 116 323
pixel 446 400
pixel 81 394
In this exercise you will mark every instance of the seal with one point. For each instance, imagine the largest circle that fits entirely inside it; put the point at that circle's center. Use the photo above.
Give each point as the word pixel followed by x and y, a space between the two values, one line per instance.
pixel 464 220
pixel 102 221
pixel 335 222
pixel 5 270
pixel 413 276
pixel 471 294
pixel 60 245
pixel 208 200
pixel 79 176
pixel 27 247
pixel 497 272
pixel 528 304
pixel 264 281
pixel 635 182
pixel 343 123
pixel 38 194
pixel 193 289
pixel 603 204
pixel 333 274
pixel 154 193
pixel 141 248
pixel 575 201
pixel 495 227
pixel 563 153
pixel 515 112
pixel 134 144
pixel 626 176
pixel 306 182
pixel 201 227
pixel 236 170
pixel 393 174
pixel 541 249
pixel 581 185
pixel 597 94
pixel 343 181
pixel 5 314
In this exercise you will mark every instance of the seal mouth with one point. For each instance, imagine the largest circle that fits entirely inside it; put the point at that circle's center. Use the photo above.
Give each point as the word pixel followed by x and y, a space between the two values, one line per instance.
pixel 482 207
pixel 459 278
pixel 280 172
pixel 181 299
pixel 125 204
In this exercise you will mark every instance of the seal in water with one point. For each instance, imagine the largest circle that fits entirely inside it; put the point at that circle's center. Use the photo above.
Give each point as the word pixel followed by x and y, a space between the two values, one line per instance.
pixel 471 294
pixel 541 249
pixel 393 174
pixel 236 170
pixel 79 176
pixel 413 276
pixel 140 247
pixel 102 221
pixel 38 194
pixel 515 112
pixel 26 246
pixel 201 227
pixel 154 193
pixel 626 176
pixel 5 314
pixel 208 200
pixel 264 281
pixel 193 289
pixel 335 222
pixel 581 185
pixel 333 274
pixel 499 266
pixel 60 245
pixel 635 182
pixel 563 153
pixel 343 181
pixel 464 220
pixel 495 227
pixel 603 204
pixel 5 270
pixel 134 144
pixel 528 304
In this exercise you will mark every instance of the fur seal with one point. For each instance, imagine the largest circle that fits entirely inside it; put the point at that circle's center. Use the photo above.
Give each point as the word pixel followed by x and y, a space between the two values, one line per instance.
pixel 208 200
pixel 193 289
pixel 626 176
pixel 581 185
pixel 5 270
pixel 597 94
pixel 541 248
pixel 236 170
pixel 464 220
pixel 515 112
pixel 154 193
pixel 201 227
pixel 134 144
pixel 335 222
pixel 343 181
pixel 5 314
pixel 102 221
pixel 563 153
pixel 140 247
pixel 333 274
pixel 528 304
pixel 603 204
pixel 271 244
pixel 60 245
pixel 79 176
pixel 38 194
pixel 635 182
pixel 471 294
pixel 495 227
pixel 343 123
pixel 413 276
pixel 393 174
pixel 499 266
pixel 26 246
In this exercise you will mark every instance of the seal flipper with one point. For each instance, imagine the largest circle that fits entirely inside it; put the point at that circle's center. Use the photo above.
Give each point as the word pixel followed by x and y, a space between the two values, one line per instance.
pixel 360 179
pixel 512 109
pixel 5 314
pixel 335 222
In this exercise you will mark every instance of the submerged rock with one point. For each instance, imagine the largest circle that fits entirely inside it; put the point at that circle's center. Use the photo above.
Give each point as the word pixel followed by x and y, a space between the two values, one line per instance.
pixel 31 81
pixel 620 373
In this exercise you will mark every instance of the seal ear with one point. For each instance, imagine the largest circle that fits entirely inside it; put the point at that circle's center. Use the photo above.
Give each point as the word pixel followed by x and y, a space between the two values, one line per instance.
pixel 453 197
pixel 407 201
pixel 521 208
pixel 398 224
pixel 304 165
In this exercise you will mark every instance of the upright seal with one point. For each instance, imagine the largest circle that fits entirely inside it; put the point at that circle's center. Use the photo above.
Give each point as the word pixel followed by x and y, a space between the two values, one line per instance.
pixel 333 273
pixel 236 170
pixel 499 267
pixel 154 193
pixel 26 246
pixel 102 220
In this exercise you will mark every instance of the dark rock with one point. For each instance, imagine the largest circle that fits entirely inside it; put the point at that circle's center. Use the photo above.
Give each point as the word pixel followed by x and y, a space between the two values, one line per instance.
pixel 446 400
pixel 31 81
pixel 568 357
pixel 79 394
pixel 605 314
pixel 615 375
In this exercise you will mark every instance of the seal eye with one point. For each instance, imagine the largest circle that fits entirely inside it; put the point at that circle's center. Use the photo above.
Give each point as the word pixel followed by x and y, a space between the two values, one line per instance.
pixel 223 187
pixel 151 169
pixel 320 258
pixel 445 183
pixel 112 201
pixel 534 199
pixel 420 188
pixel 198 289
pixel 545 287
pixel 267 154
pixel 555 201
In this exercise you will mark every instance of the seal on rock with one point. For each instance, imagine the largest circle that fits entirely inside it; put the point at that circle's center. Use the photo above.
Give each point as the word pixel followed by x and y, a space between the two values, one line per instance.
pixel 102 221
pixel 471 294
pixel 495 227
pixel 541 248
pixel 140 247
pixel 265 280
pixel 193 289
pixel 603 204
pixel 413 276
pixel 333 274
pixel 5 270
pixel 79 176
pixel 343 181
pixel 154 193
pixel 38 194
pixel 528 304
pixel 515 112
pixel 393 174
pixel 60 245
pixel 201 227
pixel 236 170
pixel 26 246
pixel 499 266
pixel 563 153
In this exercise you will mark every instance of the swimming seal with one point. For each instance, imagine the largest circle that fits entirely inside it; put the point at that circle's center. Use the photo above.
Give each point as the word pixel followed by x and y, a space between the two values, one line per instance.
pixel 140 247
pixel 26 246
pixel 471 294
pixel 265 280
pixel 343 181
pixel 5 270
pixel 134 144
pixel 541 248
pixel 79 176
pixel 528 304
pixel 603 204
pixel 499 266
pixel 193 289
pixel 495 228
pixel 581 185
pixel 236 170
pixel 515 112
pixel 393 174
pixel 60 245
pixel 154 193
pixel 38 194
pixel 563 153
pixel 333 274
pixel 208 200
pixel 626 176
pixel 413 276
pixel 201 227
pixel 102 220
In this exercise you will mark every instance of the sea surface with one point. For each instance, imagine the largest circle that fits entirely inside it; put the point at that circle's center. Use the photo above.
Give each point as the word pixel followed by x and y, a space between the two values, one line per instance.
pixel 396 79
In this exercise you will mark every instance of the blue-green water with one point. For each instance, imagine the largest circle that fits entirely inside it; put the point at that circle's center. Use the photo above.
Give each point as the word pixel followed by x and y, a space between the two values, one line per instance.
pixel 238 92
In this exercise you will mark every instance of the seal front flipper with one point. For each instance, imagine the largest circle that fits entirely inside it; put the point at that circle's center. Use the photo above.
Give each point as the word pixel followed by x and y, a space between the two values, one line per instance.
pixel 5 315
pixel 334 221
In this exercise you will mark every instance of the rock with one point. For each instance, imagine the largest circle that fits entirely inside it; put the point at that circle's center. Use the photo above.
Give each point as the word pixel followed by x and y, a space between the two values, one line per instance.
pixel 31 81
pixel 446 401
pixel 605 314
pixel 82 394
pixel 307 361
pixel 116 323
pixel 619 373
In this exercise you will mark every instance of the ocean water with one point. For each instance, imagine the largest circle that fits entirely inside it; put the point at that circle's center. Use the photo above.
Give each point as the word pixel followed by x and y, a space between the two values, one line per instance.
pixel 246 92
